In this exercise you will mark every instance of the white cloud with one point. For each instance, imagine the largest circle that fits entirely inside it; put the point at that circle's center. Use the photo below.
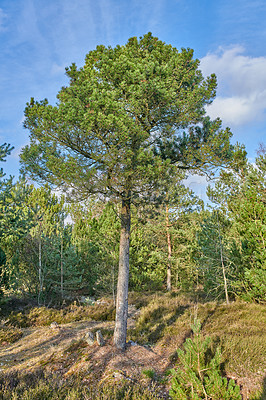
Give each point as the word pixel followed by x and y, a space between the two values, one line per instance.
pixel 198 184
pixel 241 96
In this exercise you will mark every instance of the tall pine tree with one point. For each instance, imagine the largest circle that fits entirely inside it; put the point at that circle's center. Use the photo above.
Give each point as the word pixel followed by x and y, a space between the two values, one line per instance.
pixel 130 116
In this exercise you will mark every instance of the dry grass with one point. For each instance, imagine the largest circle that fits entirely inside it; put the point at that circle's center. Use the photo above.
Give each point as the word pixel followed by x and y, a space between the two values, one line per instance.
pixel 163 324
pixel 160 313
pixel 239 328
pixel 10 335
pixel 44 386
pixel 44 316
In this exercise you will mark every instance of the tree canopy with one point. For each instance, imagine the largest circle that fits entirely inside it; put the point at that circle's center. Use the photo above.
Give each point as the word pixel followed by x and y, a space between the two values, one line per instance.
pixel 122 119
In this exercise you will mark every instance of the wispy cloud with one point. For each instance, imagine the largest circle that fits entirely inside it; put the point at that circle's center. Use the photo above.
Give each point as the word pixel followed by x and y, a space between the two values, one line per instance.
pixel 3 17
pixel 241 86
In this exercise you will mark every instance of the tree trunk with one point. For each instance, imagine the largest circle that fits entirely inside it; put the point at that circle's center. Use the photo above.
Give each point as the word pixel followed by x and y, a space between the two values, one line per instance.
pixel 222 262
pixel 62 267
pixel 113 283
pixel 169 244
pixel 225 280
pixel 40 271
pixel 120 332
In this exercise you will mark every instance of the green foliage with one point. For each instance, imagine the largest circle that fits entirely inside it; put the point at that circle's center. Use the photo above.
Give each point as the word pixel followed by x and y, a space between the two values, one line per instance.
pixel 199 376
pixel 149 246
pixel 15 215
pixel 14 218
pixel 5 150
pixel 213 255
pixel 126 106
pixel 241 196
pixel 3 275
pixel 147 258
pixel 96 235
pixel 149 373
pixel 44 260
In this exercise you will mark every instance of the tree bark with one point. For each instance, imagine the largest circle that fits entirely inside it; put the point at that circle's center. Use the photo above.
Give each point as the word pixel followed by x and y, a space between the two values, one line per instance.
pixel 169 244
pixel 40 271
pixel 222 262
pixel 62 268
pixel 120 332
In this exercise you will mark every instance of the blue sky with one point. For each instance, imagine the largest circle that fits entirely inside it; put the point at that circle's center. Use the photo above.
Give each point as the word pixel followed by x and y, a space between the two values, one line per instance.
pixel 39 38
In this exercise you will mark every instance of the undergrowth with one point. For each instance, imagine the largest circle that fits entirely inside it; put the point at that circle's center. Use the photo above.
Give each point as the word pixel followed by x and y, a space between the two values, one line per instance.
pixel 39 385
pixel 43 316
pixel 164 320
pixel 10 335
pixel 238 328
pixel 200 374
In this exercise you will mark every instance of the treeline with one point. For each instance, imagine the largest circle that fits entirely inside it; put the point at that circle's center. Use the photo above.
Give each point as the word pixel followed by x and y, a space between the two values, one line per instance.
pixel 176 244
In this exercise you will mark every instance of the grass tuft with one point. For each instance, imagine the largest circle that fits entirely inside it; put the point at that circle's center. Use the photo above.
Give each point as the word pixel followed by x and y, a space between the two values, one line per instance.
pixel 44 316
pixel 9 335
pixel 40 385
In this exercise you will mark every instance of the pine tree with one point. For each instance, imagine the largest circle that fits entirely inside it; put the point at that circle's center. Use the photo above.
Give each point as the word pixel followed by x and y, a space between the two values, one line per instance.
pixel 240 196
pixel 128 119
pixel 199 376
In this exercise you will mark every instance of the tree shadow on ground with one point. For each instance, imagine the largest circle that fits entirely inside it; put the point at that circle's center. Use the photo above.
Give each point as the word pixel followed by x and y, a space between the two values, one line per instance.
pixel 34 348
pixel 263 395
pixel 151 330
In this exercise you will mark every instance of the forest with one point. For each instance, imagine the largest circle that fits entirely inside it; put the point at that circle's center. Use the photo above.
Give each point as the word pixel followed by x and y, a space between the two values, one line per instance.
pixel 179 244
pixel 101 213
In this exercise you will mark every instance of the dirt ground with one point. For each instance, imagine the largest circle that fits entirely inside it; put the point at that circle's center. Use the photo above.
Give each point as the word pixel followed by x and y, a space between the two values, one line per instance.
pixel 63 351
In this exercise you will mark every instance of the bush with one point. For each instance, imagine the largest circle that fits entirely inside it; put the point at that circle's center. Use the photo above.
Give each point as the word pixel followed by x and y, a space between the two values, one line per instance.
pixel 199 376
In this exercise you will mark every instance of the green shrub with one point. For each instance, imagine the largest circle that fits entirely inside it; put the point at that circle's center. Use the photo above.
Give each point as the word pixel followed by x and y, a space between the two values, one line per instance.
pixel 149 373
pixel 199 375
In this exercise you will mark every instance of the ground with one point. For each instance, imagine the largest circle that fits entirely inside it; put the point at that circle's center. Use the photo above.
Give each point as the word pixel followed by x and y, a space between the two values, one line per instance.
pixel 63 350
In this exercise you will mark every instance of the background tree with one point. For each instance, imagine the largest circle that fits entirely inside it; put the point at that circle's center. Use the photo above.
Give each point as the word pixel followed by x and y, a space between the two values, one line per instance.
pixel 15 223
pixel 240 194
pixel 215 264
pixel 14 219
pixel 96 227
pixel 5 150
pixel 127 117
pixel 164 235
